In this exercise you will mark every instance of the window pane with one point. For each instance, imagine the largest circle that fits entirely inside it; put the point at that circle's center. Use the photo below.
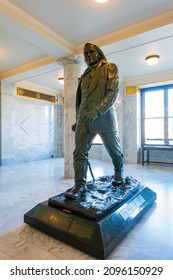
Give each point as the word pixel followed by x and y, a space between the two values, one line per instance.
pixel 154 129
pixel 170 128
pixel 170 103
pixel 154 104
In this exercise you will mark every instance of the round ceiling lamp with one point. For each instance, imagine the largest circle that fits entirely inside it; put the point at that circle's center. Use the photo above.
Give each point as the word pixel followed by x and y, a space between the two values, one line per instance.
pixel 61 81
pixel 152 59
pixel 101 1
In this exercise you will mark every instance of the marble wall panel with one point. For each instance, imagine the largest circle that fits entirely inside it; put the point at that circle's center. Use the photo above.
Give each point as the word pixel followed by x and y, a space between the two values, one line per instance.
pixel 31 129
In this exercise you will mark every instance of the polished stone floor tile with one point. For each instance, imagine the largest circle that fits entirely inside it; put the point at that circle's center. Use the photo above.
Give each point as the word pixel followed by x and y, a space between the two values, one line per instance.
pixel 24 186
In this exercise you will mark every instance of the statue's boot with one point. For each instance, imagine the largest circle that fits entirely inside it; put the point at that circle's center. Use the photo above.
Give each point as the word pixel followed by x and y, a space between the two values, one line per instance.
pixel 80 169
pixel 118 177
pixel 77 191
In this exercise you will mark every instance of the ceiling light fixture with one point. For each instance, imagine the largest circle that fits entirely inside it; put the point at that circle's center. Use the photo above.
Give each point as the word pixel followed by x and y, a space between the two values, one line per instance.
pixel 61 81
pixel 152 59
pixel 101 1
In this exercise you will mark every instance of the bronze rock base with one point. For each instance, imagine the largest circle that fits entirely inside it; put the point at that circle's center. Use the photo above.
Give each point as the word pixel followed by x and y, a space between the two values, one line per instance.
pixel 97 221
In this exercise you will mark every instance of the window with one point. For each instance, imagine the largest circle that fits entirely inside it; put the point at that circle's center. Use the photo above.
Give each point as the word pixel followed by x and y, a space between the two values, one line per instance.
pixel 157 115
pixel 97 140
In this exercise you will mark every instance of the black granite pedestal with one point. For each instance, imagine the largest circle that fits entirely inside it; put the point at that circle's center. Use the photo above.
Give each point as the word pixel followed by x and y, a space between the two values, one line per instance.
pixel 97 221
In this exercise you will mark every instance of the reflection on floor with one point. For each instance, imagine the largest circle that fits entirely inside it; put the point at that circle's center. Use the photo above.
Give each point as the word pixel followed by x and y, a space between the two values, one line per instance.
pixel 24 186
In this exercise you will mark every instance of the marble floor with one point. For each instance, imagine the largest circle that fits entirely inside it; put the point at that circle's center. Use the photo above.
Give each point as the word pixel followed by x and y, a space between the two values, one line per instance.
pixel 23 186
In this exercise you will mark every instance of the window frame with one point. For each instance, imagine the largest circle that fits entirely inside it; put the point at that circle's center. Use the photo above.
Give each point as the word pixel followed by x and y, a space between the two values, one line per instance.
pixel 166 140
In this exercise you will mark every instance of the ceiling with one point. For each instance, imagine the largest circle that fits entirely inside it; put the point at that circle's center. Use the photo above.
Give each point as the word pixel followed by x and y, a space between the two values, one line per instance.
pixel 37 35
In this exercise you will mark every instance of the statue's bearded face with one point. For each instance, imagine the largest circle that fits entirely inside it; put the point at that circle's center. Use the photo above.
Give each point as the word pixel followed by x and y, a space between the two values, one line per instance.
pixel 91 55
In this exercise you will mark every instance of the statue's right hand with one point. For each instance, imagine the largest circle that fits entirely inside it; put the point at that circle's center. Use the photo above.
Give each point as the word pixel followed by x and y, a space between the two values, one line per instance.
pixel 73 127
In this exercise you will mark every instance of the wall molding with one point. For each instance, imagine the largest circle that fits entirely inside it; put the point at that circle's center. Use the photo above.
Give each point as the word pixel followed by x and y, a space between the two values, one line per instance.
pixel 25 19
pixel 150 80
pixel 27 93
pixel 131 90
pixel 131 30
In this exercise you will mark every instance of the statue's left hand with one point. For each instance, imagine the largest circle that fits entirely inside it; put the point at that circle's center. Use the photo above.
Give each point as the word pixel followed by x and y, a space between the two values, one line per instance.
pixel 92 115
pixel 73 127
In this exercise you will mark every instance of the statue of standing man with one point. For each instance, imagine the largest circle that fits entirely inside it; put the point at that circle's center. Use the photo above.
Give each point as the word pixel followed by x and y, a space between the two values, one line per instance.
pixel 95 114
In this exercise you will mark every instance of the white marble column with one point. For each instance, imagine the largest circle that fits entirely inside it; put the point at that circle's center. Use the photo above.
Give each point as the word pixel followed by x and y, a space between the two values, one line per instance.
pixel 132 125
pixel 0 126
pixel 7 122
pixel 72 72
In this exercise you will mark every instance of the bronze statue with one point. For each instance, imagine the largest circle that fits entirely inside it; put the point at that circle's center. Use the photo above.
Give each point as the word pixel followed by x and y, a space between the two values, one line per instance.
pixel 95 114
